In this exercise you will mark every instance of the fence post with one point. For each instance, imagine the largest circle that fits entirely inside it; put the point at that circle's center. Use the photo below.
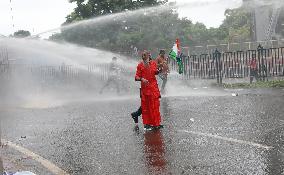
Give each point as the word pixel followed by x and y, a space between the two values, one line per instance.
pixel 262 67
pixel 217 56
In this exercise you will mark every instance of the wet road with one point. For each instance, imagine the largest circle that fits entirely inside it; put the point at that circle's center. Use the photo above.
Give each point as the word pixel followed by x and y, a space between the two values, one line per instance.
pixel 202 135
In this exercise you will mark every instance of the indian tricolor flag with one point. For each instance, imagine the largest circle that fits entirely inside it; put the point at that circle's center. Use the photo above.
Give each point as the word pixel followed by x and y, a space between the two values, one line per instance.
pixel 175 54
pixel 175 51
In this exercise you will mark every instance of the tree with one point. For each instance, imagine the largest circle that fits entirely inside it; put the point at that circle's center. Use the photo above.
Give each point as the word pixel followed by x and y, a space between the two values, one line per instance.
pixel 94 8
pixel 21 34
pixel 237 24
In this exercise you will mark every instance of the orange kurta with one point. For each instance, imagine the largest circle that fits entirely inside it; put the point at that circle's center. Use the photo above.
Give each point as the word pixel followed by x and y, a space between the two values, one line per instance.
pixel 150 93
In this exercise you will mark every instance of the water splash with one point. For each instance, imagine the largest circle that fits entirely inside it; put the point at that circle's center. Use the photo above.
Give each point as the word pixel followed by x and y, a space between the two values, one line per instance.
pixel 107 19
pixel 43 52
pixel 30 88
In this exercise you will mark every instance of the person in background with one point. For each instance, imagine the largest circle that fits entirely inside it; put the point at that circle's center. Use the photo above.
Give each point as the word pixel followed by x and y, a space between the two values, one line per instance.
pixel 113 77
pixel 162 62
pixel 253 68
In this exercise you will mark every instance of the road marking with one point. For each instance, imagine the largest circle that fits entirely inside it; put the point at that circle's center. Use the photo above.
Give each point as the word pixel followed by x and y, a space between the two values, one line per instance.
pixel 47 164
pixel 228 139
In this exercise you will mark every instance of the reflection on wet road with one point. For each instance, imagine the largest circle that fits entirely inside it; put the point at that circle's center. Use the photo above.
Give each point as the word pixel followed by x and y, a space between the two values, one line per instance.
pixel 155 152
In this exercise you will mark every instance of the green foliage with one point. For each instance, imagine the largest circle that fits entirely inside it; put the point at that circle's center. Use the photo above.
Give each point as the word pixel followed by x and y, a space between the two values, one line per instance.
pixel 259 84
pixel 236 25
pixel 21 34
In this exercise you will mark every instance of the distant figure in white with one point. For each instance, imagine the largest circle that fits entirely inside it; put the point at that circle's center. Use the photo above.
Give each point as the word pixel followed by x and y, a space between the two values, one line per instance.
pixel 113 77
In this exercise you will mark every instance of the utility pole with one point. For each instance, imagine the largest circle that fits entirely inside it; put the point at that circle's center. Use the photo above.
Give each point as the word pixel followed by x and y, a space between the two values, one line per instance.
pixel 12 15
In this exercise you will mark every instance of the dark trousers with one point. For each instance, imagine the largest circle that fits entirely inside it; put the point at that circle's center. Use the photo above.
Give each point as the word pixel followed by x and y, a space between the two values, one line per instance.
pixel 137 113
pixel 253 74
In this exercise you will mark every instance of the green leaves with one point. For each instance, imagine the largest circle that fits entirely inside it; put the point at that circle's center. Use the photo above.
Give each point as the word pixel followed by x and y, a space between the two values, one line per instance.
pixel 22 34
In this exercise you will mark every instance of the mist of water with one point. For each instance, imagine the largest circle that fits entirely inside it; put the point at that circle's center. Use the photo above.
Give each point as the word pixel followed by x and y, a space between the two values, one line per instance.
pixel 108 19
pixel 43 52
pixel 53 90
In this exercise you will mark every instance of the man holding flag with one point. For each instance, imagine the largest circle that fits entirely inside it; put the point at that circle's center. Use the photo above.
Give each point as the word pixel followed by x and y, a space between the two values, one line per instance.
pixel 176 55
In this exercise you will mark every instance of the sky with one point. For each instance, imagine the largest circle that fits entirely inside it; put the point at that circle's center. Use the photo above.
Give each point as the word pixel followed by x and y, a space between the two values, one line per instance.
pixel 37 16
pixel 209 12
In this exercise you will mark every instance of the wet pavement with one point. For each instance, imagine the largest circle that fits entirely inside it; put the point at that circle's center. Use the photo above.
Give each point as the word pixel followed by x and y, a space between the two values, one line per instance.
pixel 220 134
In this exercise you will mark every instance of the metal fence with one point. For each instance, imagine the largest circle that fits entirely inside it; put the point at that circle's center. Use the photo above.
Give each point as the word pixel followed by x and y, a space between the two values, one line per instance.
pixel 46 72
pixel 232 47
pixel 35 78
pixel 64 76
pixel 217 65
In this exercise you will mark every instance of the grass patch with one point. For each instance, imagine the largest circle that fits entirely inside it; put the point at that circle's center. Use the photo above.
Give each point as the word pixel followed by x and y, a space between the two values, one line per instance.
pixel 259 84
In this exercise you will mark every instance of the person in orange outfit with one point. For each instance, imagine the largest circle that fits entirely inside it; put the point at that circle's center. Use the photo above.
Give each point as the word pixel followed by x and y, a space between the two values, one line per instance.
pixel 162 62
pixel 150 93
pixel 253 68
